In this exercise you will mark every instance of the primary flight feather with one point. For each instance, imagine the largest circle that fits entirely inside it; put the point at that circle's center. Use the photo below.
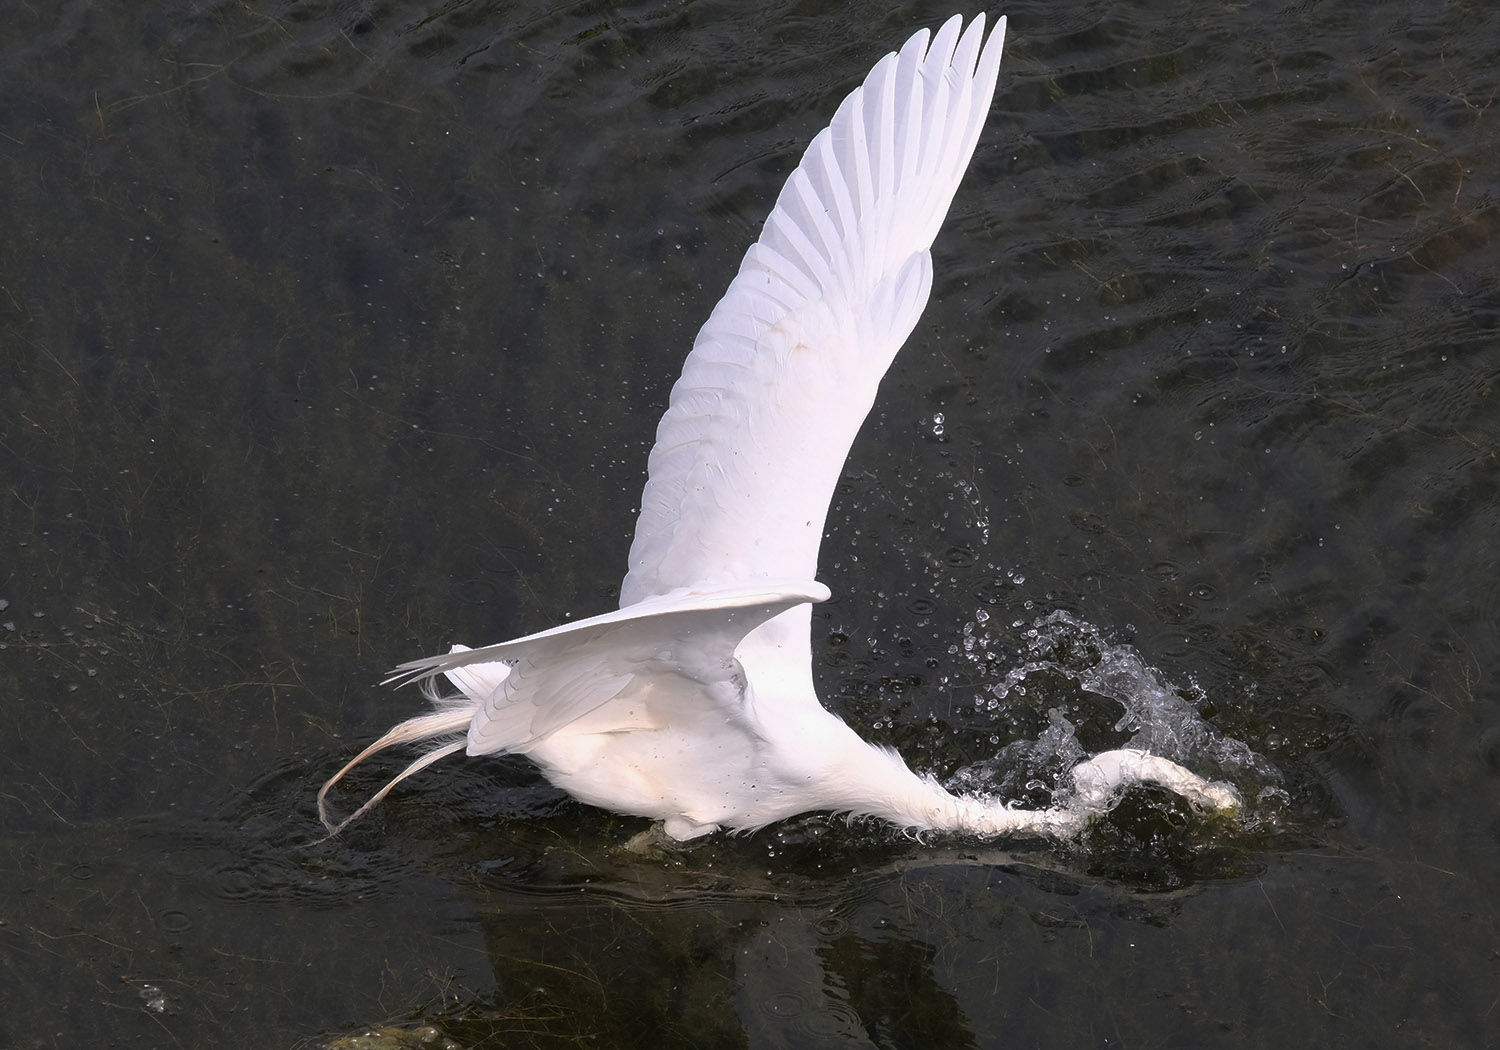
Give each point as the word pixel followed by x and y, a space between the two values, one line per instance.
pixel 693 703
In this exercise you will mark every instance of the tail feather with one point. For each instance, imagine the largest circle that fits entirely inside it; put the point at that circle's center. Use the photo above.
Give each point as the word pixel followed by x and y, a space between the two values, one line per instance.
pixel 454 715
pixel 455 712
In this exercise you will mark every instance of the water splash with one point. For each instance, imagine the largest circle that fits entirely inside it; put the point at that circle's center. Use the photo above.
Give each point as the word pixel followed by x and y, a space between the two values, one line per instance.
pixel 1158 717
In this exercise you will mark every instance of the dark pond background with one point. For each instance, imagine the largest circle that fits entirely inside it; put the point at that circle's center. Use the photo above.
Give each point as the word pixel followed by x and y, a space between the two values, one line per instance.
pixel 332 333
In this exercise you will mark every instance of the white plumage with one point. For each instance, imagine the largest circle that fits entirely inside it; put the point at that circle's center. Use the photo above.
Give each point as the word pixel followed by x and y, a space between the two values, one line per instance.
pixel 693 704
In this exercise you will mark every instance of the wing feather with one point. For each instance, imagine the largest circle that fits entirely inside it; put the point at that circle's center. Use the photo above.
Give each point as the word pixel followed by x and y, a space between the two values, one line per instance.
pixel 786 368
pixel 525 689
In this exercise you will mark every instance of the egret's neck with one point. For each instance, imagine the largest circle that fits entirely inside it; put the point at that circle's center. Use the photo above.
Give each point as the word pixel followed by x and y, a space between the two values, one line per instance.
pixel 874 781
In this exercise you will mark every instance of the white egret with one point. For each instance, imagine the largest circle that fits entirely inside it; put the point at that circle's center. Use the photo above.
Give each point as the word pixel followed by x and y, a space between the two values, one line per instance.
pixel 693 703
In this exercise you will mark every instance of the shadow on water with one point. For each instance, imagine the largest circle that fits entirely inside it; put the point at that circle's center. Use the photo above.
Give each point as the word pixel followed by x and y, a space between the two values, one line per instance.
pixel 814 930
pixel 332 334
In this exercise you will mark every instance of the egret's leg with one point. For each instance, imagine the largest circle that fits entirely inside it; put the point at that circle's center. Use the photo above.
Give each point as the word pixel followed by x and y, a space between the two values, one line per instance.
pixel 662 835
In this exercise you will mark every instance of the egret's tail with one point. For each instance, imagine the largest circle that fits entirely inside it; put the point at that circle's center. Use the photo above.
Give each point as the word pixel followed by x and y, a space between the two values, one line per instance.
pixel 451 719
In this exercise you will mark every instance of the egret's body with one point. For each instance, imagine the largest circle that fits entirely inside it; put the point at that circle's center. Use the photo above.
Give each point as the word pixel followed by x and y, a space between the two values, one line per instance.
pixel 693 703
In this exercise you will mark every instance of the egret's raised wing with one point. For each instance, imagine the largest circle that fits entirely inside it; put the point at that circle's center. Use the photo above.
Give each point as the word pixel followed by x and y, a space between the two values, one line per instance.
pixel 786 369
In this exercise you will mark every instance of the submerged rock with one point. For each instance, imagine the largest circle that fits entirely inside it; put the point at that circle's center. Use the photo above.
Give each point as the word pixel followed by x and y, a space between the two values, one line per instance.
pixel 389 1038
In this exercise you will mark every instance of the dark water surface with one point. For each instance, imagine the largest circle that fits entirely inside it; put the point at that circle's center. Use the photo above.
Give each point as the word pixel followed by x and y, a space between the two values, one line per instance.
pixel 332 333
